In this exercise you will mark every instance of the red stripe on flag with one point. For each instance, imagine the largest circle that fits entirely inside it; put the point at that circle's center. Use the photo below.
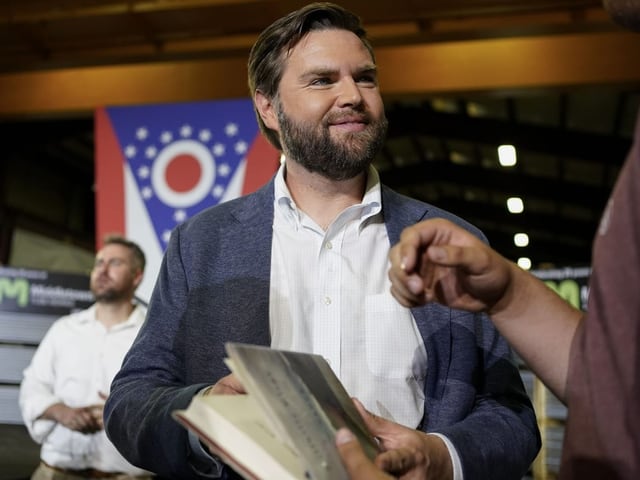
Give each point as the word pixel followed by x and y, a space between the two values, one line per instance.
pixel 263 160
pixel 109 179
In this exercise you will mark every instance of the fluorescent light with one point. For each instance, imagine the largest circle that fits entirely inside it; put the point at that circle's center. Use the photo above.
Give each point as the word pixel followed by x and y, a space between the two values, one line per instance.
pixel 507 155
pixel 515 205
pixel 524 263
pixel 521 239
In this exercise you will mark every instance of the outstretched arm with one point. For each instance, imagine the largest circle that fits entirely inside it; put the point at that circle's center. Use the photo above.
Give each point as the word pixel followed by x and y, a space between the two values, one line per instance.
pixel 438 261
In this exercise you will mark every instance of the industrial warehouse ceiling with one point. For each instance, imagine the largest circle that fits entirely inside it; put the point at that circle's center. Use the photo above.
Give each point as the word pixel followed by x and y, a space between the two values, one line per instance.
pixel 556 79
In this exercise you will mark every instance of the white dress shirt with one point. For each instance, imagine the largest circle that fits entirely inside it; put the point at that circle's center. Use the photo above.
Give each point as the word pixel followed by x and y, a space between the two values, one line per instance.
pixel 76 360
pixel 330 295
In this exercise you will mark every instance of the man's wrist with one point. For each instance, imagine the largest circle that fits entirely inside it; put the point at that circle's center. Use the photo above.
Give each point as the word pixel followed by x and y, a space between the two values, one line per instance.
pixel 444 462
pixel 52 412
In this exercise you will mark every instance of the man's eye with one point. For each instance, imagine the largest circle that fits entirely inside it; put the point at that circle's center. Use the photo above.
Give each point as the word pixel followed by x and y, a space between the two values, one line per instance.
pixel 367 79
pixel 321 81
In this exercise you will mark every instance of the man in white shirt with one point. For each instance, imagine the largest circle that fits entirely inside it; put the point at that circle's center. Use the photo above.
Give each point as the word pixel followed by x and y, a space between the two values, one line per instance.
pixel 65 386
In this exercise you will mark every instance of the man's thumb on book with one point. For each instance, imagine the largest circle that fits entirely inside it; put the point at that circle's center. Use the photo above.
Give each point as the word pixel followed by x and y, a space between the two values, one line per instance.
pixel 344 436
pixel 358 466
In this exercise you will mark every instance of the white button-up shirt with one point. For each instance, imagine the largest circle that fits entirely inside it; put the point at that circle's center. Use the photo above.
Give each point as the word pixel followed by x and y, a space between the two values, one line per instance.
pixel 330 296
pixel 75 362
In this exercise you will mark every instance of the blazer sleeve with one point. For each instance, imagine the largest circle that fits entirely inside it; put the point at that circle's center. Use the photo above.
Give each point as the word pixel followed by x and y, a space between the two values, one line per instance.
pixel 473 391
pixel 212 288
pixel 484 409
pixel 150 384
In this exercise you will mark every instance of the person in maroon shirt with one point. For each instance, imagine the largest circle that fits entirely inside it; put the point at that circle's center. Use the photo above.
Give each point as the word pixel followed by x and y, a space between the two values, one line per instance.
pixel 591 361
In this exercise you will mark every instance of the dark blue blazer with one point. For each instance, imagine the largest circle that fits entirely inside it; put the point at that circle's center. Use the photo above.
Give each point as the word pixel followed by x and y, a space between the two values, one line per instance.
pixel 213 287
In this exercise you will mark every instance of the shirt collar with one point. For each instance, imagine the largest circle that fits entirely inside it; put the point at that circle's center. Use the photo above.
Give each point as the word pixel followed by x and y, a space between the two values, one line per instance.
pixel 132 319
pixel 371 201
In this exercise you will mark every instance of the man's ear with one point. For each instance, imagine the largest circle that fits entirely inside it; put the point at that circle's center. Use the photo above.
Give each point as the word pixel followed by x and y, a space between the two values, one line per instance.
pixel 267 110
pixel 137 278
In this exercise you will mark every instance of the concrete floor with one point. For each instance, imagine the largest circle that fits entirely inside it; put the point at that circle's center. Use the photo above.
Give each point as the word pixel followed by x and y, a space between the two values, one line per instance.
pixel 19 455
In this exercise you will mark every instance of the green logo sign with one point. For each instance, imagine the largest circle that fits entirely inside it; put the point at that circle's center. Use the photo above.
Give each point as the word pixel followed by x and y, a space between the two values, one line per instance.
pixel 567 289
pixel 17 288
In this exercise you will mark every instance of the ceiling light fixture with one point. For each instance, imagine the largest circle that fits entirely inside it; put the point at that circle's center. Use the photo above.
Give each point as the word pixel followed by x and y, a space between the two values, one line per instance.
pixel 515 205
pixel 507 155
pixel 524 263
pixel 521 239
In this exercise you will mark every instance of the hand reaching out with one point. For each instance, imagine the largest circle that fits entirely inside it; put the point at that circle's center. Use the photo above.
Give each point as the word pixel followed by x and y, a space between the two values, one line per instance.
pixel 436 260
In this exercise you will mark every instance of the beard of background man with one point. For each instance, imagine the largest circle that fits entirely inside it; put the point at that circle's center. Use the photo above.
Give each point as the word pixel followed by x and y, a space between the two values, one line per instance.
pixel 313 147
pixel 105 291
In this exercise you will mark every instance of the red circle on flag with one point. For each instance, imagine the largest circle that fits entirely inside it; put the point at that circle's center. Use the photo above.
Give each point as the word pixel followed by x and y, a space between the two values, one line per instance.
pixel 194 191
pixel 183 173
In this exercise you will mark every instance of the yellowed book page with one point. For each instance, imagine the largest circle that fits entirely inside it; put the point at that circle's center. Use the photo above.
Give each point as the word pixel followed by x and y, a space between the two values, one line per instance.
pixel 233 427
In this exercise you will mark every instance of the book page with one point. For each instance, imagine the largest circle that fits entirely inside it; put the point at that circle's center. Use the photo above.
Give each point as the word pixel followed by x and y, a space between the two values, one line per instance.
pixel 305 401
pixel 235 430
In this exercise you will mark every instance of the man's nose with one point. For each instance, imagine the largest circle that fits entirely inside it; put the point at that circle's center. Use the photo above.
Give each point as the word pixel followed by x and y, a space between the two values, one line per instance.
pixel 349 93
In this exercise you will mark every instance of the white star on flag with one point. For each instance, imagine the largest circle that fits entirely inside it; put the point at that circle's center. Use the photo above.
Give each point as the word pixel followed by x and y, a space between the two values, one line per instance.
pixel 143 172
pixel 205 135
pixel 151 152
pixel 186 131
pixel 218 149
pixel 130 151
pixel 224 170
pixel 166 137
pixel 217 192
pixel 241 148
pixel 180 216
pixel 142 133
pixel 231 129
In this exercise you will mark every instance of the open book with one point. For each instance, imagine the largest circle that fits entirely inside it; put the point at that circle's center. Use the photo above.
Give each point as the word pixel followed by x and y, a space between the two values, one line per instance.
pixel 284 427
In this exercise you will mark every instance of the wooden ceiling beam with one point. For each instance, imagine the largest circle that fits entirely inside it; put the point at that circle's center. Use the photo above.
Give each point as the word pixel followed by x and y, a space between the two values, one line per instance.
pixel 508 63
pixel 447 67
pixel 47 11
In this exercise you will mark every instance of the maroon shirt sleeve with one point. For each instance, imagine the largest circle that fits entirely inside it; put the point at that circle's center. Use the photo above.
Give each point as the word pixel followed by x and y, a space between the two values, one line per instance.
pixel 602 438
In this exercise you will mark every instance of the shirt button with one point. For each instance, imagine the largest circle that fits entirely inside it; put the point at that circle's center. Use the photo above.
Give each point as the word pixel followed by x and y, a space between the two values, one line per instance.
pixel 328 245
pixel 327 300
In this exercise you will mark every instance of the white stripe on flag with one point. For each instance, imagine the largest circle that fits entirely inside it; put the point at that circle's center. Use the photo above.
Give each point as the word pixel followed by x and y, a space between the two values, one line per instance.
pixel 139 228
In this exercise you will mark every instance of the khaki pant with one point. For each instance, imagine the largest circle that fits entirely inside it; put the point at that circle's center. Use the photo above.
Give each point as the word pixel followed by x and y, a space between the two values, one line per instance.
pixel 46 472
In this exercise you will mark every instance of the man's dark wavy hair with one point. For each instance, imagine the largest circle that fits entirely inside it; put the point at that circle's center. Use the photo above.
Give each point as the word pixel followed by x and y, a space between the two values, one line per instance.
pixel 268 55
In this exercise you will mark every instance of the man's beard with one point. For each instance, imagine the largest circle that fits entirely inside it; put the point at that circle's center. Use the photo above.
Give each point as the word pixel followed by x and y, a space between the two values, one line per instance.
pixel 314 148
pixel 109 295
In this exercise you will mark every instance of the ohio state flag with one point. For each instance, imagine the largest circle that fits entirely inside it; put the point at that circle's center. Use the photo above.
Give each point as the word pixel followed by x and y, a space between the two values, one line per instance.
pixel 157 165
